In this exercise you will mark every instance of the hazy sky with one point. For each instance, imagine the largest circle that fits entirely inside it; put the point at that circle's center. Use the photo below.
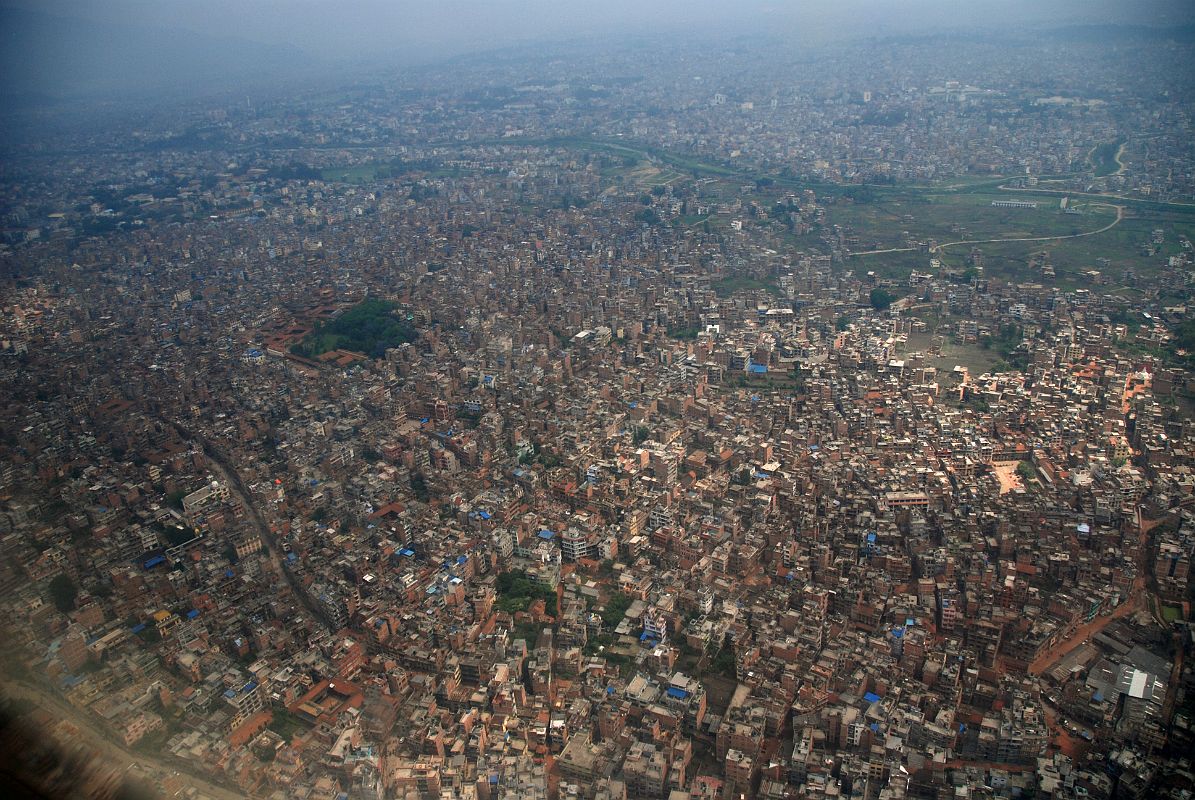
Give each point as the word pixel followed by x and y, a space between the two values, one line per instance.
pixel 425 28
pixel 54 51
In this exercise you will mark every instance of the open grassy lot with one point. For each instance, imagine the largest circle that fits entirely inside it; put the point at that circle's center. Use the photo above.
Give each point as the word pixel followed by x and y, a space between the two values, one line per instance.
pixel 728 286
pixel 1123 247
pixel 972 356
pixel 952 216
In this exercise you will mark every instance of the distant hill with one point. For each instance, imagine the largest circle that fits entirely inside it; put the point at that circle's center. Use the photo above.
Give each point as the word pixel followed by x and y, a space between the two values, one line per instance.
pixel 1124 33
pixel 47 59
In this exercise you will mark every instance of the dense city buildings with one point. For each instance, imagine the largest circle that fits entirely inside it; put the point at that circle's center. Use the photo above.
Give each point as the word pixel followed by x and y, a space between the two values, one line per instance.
pixel 636 422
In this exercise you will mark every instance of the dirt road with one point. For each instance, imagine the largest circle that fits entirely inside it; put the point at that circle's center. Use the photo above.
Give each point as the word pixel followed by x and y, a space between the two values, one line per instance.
pixel 106 747
pixel 939 248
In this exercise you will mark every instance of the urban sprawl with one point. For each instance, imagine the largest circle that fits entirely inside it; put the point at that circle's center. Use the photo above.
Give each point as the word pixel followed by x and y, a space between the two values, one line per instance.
pixel 654 422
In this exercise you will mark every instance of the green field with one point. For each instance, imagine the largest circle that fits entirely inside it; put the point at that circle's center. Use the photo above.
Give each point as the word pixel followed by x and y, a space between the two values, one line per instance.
pixel 1172 613
pixel 951 217
pixel 1122 246
pixel 1103 158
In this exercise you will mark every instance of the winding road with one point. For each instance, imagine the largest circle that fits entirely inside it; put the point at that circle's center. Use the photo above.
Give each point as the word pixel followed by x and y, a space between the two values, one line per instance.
pixel 940 247
pixel 236 485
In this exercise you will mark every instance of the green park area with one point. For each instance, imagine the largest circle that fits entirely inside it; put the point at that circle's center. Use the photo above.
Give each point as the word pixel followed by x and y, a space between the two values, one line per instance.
pixel 728 286
pixel 1103 158
pixel 517 591
pixel 370 327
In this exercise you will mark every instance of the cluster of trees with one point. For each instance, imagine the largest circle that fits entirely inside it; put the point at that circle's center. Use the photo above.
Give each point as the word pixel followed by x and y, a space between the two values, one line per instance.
pixel 616 609
pixel 881 299
pixel 1007 342
pixel 516 591
pixel 1184 339
pixel 648 216
pixel 370 327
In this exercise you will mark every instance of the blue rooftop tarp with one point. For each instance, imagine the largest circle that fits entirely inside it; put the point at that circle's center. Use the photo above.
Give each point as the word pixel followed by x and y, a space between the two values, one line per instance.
pixel 545 535
pixel 140 626
pixel 484 514
pixel 875 727
pixel 871 697
pixel 898 632
pixel 406 551
pixel 193 613
pixel 461 559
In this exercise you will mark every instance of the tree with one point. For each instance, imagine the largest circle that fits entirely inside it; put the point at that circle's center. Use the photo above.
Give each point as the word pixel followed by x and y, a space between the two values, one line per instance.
pixel 648 216
pixel 1025 471
pixel 881 299
pixel 63 592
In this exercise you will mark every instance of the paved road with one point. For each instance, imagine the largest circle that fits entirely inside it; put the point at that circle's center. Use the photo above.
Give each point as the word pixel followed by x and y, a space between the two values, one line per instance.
pixel 236 486
pixel 105 745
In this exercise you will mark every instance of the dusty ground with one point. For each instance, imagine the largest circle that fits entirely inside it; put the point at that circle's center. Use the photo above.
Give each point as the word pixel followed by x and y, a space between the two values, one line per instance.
pixel 1006 473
